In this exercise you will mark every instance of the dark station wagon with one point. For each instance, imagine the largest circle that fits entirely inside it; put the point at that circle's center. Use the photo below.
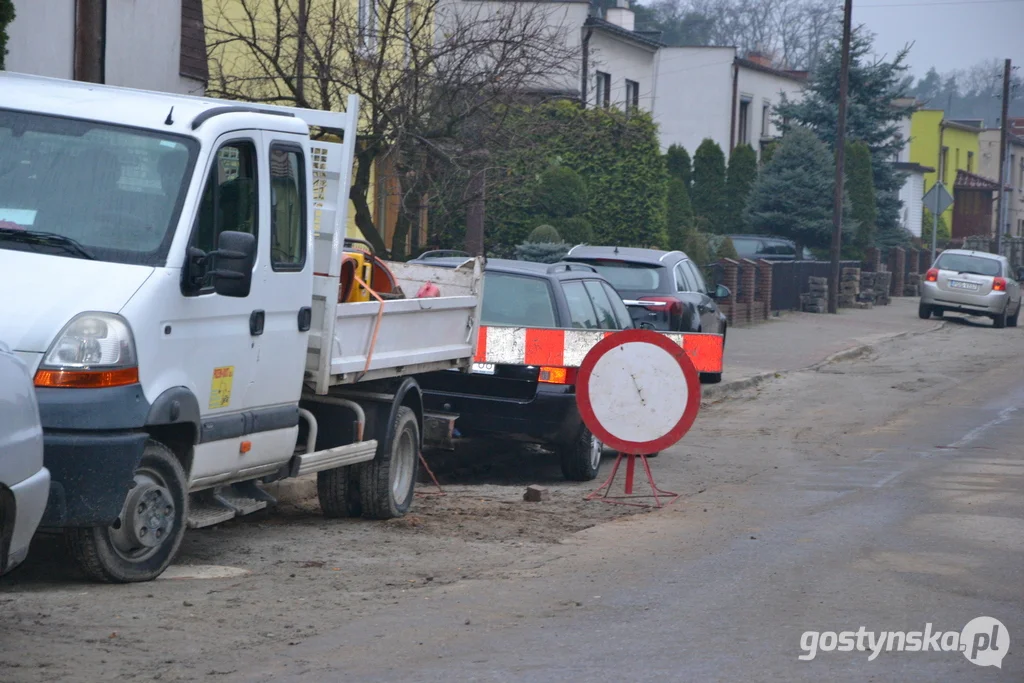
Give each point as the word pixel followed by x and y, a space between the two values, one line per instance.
pixel 523 402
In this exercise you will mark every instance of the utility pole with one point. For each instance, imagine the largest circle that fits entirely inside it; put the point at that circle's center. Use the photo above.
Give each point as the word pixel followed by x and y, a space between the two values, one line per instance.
pixel 837 198
pixel 90 40
pixel 300 58
pixel 1004 129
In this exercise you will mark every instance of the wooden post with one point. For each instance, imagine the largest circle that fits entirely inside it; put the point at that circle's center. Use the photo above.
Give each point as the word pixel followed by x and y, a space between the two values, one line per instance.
pixel 90 40
pixel 837 197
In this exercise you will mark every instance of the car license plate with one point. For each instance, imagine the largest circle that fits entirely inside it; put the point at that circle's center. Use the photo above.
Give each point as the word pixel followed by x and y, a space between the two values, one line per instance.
pixel 969 286
pixel 483 368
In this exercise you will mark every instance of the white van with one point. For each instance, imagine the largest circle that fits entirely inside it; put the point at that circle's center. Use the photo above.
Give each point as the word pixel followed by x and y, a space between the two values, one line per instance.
pixel 24 482
pixel 176 278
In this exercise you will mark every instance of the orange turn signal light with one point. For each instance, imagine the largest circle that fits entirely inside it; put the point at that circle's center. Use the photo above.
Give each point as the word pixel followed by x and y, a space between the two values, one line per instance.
pixel 87 379
pixel 557 375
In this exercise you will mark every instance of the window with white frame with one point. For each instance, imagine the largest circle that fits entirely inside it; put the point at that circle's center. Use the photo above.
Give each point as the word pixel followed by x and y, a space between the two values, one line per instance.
pixel 766 120
pixel 603 89
pixel 367 27
pixel 632 94
pixel 744 122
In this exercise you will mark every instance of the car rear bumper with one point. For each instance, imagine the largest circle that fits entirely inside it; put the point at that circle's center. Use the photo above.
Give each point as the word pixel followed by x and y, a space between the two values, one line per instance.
pixel 550 417
pixel 30 498
pixel 992 303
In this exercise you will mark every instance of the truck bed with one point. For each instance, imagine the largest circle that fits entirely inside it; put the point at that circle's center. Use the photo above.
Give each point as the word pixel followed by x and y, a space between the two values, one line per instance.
pixel 374 340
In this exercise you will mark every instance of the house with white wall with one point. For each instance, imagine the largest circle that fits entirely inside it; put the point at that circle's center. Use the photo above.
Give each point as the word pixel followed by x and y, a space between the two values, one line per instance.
pixel 1013 216
pixel 149 45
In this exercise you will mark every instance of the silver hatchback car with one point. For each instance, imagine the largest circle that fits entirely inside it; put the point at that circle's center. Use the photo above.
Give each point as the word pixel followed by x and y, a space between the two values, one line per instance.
pixel 973 282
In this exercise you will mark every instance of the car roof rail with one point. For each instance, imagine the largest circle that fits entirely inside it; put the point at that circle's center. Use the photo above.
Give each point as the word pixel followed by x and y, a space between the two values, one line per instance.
pixel 557 267
pixel 443 253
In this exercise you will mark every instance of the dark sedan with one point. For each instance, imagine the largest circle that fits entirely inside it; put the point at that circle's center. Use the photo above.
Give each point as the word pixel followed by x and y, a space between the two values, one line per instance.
pixel 664 290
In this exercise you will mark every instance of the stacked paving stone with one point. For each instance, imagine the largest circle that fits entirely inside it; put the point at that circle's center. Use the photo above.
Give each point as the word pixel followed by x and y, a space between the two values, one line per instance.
pixel 816 299
pixel 883 285
pixel 873 289
pixel 849 287
pixel 912 287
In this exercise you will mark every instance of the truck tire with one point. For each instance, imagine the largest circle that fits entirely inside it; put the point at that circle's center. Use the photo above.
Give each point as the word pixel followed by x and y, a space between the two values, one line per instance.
pixel 144 539
pixel 387 483
pixel 581 459
pixel 338 491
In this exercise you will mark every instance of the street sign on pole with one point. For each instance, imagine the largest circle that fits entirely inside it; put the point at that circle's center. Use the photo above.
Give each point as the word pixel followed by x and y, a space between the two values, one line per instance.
pixel 638 393
pixel 937 200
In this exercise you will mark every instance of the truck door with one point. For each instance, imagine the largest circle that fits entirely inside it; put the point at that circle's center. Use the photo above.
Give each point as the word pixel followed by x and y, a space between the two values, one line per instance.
pixel 283 285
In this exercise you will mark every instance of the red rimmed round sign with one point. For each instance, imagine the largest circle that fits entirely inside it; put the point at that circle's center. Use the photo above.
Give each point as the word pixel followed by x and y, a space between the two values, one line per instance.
pixel 638 392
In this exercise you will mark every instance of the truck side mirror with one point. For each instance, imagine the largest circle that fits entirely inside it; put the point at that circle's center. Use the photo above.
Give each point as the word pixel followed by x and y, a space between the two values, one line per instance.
pixel 234 259
pixel 722 292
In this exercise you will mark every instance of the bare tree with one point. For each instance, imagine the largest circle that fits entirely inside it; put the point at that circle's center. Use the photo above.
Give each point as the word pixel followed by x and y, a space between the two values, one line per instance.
pixel 791 32
pixel 436 79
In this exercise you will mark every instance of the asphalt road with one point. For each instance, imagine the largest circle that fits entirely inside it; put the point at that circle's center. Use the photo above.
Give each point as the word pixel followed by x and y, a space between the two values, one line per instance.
pixel 883 493
pixel 913 520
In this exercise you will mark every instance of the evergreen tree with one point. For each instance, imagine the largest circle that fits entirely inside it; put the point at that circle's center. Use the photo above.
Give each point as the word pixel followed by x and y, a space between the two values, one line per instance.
pixel 708 195
pixel 742 173
pixel 860 186
pixel 871 117
pixel 792 197
pixel 677 161
pixel 6 17
pixel 680 214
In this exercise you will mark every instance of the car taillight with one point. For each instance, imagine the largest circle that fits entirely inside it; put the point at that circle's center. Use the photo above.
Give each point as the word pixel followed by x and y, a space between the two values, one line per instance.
pixel 556 375
pixel 932 275
pixel 998 284
pixel 662 303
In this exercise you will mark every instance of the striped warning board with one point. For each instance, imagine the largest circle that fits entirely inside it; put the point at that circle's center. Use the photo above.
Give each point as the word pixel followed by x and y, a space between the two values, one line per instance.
pixel 567 348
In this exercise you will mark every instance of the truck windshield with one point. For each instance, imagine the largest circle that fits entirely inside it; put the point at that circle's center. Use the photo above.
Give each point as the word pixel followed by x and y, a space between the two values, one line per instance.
pixel 88 190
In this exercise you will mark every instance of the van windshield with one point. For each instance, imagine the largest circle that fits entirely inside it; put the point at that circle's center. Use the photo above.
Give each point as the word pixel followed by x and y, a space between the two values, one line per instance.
pixel 89 190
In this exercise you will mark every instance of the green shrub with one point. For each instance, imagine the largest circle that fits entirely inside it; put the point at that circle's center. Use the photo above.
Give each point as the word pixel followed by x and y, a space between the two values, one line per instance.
pixel 544 234
pixel 545 252
pixel 561 193
pixel 575 230
pixel 726 249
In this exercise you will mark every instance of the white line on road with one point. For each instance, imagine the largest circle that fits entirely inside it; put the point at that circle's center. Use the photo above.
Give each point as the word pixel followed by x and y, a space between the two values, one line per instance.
pixel 974 434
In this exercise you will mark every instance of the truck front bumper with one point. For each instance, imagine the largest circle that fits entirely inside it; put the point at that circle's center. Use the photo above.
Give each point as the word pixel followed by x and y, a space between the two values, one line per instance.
pixel 92 444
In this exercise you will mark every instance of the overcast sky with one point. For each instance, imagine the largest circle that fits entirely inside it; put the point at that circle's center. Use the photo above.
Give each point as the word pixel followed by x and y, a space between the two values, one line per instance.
pixel 947 34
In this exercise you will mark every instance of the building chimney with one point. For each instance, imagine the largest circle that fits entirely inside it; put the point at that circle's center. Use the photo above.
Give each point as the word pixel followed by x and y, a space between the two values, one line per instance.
pixel 759 58
pixel 620 15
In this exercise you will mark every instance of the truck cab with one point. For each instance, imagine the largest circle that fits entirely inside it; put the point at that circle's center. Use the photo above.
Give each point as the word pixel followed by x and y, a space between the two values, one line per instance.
pixel 172 268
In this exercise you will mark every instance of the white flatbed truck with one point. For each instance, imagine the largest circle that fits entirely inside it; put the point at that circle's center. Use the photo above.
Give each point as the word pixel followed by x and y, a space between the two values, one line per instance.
pixel 171 268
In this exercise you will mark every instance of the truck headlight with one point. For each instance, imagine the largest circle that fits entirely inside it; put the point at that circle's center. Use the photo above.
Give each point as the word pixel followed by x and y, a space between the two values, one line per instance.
pixel 93 350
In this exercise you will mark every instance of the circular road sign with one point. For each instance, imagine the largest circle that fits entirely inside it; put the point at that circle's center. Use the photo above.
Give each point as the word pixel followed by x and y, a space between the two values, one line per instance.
pixel 638 392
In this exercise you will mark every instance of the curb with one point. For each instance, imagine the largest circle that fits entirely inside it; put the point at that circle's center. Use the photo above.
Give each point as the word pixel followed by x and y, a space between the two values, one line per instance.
pixel 718 392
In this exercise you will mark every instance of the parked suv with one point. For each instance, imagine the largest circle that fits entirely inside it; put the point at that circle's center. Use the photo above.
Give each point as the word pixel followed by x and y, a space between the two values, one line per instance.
pixel 524 402
pixel 973 282
pixel 664 290
pixel 24 482
pixel 756 247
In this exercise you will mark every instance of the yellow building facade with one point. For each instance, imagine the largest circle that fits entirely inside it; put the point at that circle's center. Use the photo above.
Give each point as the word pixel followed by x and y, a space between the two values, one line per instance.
pixel 241 37
pixel 947 146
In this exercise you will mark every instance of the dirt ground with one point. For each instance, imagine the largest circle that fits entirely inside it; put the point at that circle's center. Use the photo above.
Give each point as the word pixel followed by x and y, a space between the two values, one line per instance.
pixel 289 574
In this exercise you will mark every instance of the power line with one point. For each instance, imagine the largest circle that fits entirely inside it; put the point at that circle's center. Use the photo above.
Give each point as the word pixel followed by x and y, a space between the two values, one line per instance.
pixel 939 3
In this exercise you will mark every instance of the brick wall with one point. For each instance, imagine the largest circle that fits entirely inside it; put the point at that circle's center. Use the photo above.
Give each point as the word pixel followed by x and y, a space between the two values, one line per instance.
pixel 872 260
pixel 764 285
pixel 730 278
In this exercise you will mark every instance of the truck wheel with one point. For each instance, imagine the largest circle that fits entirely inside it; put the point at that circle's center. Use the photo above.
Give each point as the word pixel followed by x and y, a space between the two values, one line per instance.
pixel 387 483
pixel 581 459
pixel 338 491
pixel 144 539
